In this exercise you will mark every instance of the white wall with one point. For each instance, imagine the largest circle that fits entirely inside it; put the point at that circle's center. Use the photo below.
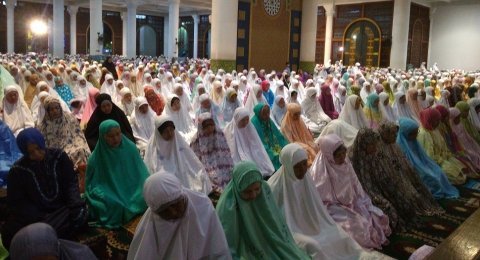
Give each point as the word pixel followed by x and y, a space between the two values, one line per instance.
pixel 455 35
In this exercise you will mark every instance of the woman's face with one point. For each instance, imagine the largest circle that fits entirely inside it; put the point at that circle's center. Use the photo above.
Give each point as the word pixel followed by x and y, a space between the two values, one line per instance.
pixel 296 116
pixel 281 103
pixel 106 107
pixel 176 104
pixel 168 133
pixel 300 169
pixel 244 122
pixel 340 154
pixel 174 211
pixel 376 102
pixel 414 96
pixel 143 108
pixel 110 81
pixel 402 100
pixel 252 191
pixel 35 153
pixel 232 98
pixel 201 91
pixel 208 127
pixel 127 98
pixel 358 102
pixel 206 104
pixel 385 103
pixel 12 97
pixel 265 113
pixel 119 86
pixel 413 135
pixel 179 92
pixel 55 111
pixel 114 137
pixel 389 136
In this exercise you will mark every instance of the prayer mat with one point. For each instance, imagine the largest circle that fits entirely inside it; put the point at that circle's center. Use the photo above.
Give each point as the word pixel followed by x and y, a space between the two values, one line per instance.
pixel 434 229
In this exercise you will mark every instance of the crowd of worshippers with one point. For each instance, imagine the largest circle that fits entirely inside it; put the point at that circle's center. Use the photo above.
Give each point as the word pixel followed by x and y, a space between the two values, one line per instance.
pixel 162 139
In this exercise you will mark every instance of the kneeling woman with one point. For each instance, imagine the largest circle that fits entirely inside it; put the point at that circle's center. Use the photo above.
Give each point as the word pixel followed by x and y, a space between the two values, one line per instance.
pixel 430 172
pixel 254 225
pixel 178 224
pixel 42 187
pixel 346 201
pixel 115 176
pixel 168 151
pixel 312 227
pixel 210 146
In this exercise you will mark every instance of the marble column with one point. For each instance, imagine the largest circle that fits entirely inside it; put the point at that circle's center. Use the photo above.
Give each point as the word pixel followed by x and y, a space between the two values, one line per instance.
pixel 131 29
pixel 196 21
pixel 73 10
pixel 166 34
pixel 223 47
pixel 400 26
pixel 96 27
pixel 10 4
pixel 58 28
pixel 330 12
pixel 309 35
pixel 124 33
pixel 173 22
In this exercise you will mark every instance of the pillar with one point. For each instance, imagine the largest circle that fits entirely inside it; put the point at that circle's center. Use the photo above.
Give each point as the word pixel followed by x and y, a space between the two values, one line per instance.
pixel 72 10
pixel 196 21
pixel 131 29
pixel 330 12
pixel 309 35
pixel 166 34
pixel 401 20
pixel 59 28
pixel 124 33
pixel 223 48
pixel 10 4
pixel 96 27
pixel 173 21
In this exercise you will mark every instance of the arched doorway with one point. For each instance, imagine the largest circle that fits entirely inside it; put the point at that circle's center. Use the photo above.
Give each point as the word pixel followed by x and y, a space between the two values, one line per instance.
pixel 416 47
pixel 147 41
pixel 207 41
pixel 362 43
pixel 182 42
pixel 107 39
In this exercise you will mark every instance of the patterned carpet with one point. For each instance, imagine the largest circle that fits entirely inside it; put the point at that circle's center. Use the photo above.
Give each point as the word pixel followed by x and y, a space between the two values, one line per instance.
pixel 434 229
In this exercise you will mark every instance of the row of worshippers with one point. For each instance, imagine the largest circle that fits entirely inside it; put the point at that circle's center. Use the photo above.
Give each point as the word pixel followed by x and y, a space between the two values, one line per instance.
pixel 315 114
pixel 177 207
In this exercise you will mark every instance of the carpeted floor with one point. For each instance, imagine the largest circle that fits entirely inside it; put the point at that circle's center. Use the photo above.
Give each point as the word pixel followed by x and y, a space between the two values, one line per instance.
pixel 114 244
pixel 434 229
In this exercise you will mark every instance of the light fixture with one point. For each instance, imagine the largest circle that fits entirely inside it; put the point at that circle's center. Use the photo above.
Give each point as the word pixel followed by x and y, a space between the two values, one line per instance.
pixel 340 48
pixel 38 27
pixel 354 36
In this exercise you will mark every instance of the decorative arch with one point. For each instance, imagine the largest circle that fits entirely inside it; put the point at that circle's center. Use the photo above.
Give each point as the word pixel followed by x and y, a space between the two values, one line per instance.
pixel 362 43
pixel 147 40
pixel 183 42
pixel 108 38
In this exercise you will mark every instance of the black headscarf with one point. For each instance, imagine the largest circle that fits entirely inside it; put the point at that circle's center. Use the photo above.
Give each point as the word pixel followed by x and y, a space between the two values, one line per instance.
pixel 91 132
pixel 110 67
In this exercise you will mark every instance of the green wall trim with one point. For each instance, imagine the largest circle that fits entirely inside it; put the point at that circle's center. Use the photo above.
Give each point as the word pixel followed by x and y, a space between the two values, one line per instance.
pixel 227 65
pixel 307 66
